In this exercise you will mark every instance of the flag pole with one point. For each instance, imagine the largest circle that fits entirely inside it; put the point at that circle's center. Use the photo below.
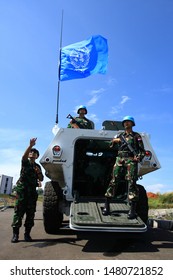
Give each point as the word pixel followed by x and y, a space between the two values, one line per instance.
pixel 59 65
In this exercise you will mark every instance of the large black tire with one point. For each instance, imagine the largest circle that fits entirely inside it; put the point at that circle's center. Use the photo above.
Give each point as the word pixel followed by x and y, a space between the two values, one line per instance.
pixel 142 204
pixel 52 216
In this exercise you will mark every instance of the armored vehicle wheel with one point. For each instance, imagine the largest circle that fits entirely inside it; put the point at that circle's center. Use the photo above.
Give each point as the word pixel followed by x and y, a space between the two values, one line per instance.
pixel 52 216
pixel 142 205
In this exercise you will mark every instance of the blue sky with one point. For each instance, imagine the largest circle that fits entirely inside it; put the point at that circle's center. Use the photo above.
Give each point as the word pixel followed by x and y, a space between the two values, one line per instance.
pixel 138 81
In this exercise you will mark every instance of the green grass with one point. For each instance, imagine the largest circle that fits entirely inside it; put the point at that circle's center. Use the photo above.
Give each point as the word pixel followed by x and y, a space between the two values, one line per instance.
pixel 9 200
pixel 40 198
pixel 162 201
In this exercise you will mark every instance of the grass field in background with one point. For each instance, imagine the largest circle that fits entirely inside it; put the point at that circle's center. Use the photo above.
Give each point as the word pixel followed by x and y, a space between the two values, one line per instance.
pixel 160 201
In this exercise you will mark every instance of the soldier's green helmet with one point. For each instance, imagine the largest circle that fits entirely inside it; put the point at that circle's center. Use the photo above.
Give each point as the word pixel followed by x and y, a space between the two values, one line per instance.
pixel 128 118
pixel 82 107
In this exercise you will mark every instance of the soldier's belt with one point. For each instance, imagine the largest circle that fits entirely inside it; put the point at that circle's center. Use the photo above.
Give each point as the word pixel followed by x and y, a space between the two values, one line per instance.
pixel 125 154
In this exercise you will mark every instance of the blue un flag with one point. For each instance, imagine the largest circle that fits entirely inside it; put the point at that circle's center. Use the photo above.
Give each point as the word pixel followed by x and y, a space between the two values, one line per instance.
pixel 84 58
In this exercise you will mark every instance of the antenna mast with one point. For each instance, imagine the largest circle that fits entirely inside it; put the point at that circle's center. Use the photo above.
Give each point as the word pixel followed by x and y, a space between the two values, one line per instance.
pixel 59 66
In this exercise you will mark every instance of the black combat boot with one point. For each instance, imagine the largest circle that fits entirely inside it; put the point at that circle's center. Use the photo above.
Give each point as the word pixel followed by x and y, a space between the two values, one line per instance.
pixel 106 209
pixel 27 236
pixel 15 237
pixel 132 213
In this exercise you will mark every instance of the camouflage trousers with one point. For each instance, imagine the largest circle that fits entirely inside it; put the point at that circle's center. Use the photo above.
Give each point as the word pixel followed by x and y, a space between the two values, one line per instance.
pixel 124 168
pixel 25 204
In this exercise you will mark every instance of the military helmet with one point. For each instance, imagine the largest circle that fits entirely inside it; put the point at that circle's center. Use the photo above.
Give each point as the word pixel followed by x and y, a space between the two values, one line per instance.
pixel 82 107
pixel 128 118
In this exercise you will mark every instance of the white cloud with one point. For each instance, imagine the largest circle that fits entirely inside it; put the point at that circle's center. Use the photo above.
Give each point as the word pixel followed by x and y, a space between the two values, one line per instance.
pixel 13 143
pixel 157 188
pixel 117 109
pixel 95 93
pixel 10 154
pixel 94 118
pixel 125 98
pixel 111 81
pixel 95 96
pixel 93 100
pixel 10 162
pixel 164 89
pixel 156 117
pixel 12 170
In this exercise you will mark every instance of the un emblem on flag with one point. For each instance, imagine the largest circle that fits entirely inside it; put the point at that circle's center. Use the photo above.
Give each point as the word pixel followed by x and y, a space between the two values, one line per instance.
pixel 79 58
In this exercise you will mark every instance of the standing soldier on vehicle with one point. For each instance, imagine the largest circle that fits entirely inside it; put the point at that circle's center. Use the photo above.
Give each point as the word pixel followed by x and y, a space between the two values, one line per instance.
pixel 26 193
pixel 130 152
pixel 80 121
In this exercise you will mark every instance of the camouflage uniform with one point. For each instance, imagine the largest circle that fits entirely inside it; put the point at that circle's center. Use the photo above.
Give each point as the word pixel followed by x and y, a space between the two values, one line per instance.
pixel 26 195
pixel 125 167
pixel 84 123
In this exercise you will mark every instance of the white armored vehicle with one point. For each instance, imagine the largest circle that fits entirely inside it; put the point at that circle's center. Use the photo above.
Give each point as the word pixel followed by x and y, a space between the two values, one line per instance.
pixel 79 164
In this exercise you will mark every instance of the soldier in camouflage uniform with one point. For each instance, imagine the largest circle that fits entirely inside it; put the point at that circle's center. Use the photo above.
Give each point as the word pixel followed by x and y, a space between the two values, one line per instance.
pixel 126 165
pixel 81 121
pixel 26 193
